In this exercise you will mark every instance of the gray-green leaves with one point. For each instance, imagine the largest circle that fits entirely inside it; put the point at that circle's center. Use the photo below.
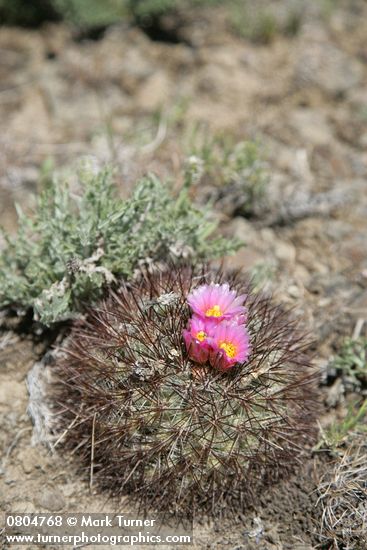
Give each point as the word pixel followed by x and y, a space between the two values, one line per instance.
pixel 76 244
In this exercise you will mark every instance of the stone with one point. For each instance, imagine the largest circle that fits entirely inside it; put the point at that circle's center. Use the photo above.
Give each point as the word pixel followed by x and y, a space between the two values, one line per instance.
pixel 50 499
pixel 246 258
pixel 268 235
pixel 155 91
pixel 294 291
pixel 285 252
pixel 30 459
pixel 69 490
pixel 312 126
pixel 325 66
pixel 250 254
pixel 311 261
pixel 16 391
pixel 335 393
pixel 23 507
pixel 242 229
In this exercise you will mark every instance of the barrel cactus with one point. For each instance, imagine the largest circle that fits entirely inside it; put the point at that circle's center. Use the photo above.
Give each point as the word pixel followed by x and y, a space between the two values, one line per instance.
pixel 184 403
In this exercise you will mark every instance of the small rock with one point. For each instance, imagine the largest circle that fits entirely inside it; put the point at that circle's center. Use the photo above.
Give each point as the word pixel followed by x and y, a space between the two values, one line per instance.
pixel 249 255
pixel 294 291
pixel 310 261
pixel 268 235
pixel 246 258
pixel 242 229
pixel 155 91
pixel 285 252
pixel 30 459
pixel 358 306
pixel 258 529
pixel 11 474
pixel 51 499
pixel 301 275
pixel 69 490
pixel 335 393
pixel 23 507
pixel 326 66
pixel 312 126
pixel 16 391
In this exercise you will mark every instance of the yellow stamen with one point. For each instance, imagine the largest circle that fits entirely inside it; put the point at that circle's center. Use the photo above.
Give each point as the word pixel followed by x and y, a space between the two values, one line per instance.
pixel 214 311
pixel 201 336
pixel 229 348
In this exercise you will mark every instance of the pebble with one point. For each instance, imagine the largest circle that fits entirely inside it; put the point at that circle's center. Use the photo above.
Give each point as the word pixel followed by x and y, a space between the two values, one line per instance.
pixel 294 291
pixel 69 490
pixel 17 390
pixel 30 459
pixel 325 66
pixel 242 229
pixel 310 261
pixel 312 126
pixel 51 499
pixel 285 252
pixel 23 507
pixel 155 91
pixel 302 275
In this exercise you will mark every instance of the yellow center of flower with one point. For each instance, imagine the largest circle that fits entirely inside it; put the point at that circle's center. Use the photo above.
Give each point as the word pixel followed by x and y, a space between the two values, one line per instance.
pixel 214 311
pixel 229 348
pixel 201 336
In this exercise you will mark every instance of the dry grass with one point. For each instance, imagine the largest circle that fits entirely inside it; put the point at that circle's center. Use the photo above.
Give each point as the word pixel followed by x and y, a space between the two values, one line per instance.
pixel 343 499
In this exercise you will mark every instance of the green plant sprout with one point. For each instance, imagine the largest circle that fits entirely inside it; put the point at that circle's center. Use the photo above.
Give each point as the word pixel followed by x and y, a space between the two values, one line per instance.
pixel 236 170
pixel 340 431
pixel 351 361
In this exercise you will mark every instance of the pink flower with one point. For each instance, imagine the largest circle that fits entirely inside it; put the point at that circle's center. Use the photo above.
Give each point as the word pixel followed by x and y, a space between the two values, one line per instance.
pixel 240 319
pixel 229 345
pixel 198 337
pixel 217 302
pixel 216 333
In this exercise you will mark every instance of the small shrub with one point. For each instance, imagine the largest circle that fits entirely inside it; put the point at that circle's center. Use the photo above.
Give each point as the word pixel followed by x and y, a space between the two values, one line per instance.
pixel 87 14
pixel 173 433
pixel 351 362
pixel 91 13
pixel 81 13
pixel 23 12
pixel 73 246
pixel 260 22
pixel 151 8
pixel 350 366
pixel 235 173
pixel 156 8
pixel 342 431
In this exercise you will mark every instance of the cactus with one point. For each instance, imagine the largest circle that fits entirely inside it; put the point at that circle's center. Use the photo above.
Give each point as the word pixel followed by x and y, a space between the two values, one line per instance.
pixel 168 431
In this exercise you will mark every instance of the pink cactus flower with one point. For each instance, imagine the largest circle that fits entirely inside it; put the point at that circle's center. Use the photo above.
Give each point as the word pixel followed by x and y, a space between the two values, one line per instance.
pixel 198 337
pixel 240 319
pixel 229 345
pixel 217 302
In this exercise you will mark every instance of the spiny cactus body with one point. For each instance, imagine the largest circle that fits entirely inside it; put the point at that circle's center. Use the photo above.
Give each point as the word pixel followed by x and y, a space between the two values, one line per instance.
pixel 170 431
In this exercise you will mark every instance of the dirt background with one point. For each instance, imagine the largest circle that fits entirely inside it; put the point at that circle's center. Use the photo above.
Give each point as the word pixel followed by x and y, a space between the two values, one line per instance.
pixel 129 100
